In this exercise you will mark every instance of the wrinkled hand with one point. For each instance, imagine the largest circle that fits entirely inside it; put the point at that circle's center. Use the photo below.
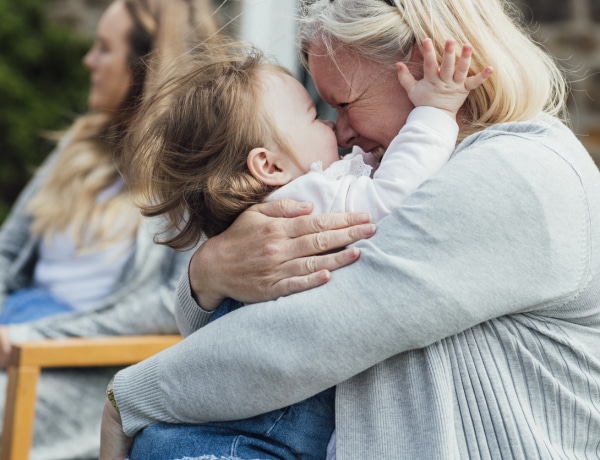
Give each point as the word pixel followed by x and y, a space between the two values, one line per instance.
pixel 5 346
pixel 114 444
pixel 275 249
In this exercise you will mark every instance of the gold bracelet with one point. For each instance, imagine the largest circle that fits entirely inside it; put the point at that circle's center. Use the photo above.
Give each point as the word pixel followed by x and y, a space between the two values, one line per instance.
pixel 110 394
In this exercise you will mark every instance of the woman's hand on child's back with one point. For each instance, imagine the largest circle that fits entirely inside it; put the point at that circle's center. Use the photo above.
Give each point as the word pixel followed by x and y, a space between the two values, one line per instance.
pixel 275 249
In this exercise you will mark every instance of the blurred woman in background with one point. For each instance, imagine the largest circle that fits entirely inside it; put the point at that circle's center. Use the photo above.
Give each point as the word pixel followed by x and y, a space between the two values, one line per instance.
pixel 76 258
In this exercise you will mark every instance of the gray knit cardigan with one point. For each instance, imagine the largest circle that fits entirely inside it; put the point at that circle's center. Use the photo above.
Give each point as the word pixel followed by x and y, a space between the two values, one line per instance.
pixel 70 401
pixel 468 328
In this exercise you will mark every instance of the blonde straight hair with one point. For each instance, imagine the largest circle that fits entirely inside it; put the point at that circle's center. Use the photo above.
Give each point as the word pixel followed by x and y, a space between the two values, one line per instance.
pixel 89 162
pixel 526 80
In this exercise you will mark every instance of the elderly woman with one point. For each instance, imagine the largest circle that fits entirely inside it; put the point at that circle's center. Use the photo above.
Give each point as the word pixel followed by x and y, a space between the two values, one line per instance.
pixel 470 326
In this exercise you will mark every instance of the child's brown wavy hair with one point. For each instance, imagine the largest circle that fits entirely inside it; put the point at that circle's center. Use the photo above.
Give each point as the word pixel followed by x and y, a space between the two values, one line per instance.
pixel 190 142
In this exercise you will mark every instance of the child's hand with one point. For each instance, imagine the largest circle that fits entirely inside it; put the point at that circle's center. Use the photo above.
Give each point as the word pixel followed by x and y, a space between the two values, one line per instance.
pixel 445 87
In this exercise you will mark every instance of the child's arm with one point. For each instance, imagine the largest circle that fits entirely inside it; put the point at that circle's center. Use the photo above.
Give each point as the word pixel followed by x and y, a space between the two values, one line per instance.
pixel 428 138
pixel 421 148
pixel 417 153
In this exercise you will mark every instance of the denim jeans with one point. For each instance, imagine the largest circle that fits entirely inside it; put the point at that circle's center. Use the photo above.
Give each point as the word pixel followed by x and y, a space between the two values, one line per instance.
pixel 29 305
pixel 299 431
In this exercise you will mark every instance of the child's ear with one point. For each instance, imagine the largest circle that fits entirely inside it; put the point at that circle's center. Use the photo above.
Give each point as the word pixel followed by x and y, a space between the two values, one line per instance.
pixel 267 166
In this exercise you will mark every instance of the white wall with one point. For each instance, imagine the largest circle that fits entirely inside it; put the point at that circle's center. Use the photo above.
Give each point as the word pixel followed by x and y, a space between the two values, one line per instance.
pixel 270 25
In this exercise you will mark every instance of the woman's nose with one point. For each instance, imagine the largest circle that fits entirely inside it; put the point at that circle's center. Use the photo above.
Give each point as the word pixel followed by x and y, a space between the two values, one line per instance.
pixel 345 134
pixel 88 59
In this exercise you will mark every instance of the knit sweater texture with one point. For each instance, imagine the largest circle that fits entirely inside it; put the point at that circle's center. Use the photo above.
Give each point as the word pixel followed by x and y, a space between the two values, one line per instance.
pixel 469 328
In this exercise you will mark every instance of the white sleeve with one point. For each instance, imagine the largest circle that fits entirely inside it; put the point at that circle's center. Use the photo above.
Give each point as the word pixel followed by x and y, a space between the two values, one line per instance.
pixel 417 153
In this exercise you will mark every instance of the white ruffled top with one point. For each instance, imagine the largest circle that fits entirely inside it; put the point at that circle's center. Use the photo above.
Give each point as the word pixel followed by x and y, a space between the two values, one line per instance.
pixel 418 152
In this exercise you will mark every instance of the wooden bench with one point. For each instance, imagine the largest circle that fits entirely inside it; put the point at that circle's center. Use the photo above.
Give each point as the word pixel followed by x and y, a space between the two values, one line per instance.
pixel 27 359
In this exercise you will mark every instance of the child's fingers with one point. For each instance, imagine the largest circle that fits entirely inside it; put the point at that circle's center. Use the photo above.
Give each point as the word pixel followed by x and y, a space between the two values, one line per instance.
pixel 430 64
pixel 464 63
pixel 473 82
pixel 447 67
pixel 406 79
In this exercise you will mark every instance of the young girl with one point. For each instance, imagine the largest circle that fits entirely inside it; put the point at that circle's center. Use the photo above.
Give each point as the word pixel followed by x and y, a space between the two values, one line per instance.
pixel 230 130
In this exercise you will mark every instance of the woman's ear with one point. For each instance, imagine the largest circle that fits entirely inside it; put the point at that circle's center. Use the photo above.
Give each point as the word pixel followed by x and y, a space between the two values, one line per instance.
pixel 267 167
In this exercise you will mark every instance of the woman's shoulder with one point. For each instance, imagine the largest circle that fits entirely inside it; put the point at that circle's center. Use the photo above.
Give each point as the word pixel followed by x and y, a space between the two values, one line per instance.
pixel 542 155
pixel 544 143
pixel 544 128
pixel 537 175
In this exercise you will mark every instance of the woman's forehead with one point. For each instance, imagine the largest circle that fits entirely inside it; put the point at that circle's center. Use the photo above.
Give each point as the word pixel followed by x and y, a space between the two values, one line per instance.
pixel 344 74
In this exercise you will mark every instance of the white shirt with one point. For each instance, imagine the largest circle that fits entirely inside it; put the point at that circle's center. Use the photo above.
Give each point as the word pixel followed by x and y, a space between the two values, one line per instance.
pixel 81 280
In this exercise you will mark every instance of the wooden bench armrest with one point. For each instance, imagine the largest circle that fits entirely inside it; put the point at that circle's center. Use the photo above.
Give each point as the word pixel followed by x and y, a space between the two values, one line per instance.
pixel 27 359
pixel 89 352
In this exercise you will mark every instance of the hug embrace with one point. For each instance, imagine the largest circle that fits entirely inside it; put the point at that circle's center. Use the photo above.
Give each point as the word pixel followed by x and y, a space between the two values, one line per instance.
pixel 467 325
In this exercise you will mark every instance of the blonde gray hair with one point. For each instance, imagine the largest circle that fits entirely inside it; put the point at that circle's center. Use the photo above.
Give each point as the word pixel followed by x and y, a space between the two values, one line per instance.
pixel 526 80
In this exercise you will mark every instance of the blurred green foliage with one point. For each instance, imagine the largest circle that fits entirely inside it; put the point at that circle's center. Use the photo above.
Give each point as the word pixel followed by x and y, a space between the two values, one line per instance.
pixel 43 86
